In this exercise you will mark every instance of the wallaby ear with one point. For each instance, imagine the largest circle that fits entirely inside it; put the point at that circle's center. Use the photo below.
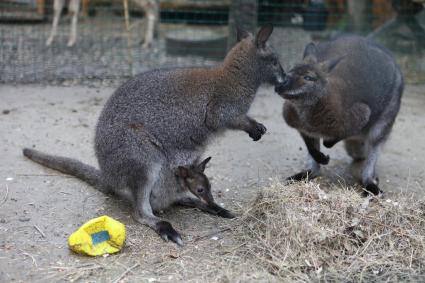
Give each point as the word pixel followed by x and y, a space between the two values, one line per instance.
pixel 263 35
pixel 182 172
pixel 241 33
pixel 328 65
pixel 203 164
pixel 310 54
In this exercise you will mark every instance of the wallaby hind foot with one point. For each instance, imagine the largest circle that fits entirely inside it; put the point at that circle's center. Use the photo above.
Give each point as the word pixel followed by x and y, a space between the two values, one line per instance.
pixel 163 228
pixel 305 175
pixel 167 232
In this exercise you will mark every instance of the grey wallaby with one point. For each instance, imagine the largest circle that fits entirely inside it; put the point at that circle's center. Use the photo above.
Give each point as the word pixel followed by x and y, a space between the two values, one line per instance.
pixel 177 188
pixel 162 119
pixel 347 89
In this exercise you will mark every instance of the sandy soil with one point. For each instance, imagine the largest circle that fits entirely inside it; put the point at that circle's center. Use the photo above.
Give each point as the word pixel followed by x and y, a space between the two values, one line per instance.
pixel 39 208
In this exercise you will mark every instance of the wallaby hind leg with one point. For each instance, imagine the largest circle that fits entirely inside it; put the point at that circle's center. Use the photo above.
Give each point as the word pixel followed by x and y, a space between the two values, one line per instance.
pixel 315 158
pixel 368 174
pixel 143 181
pixel 214 208
pixel 376 137
pixel 356 149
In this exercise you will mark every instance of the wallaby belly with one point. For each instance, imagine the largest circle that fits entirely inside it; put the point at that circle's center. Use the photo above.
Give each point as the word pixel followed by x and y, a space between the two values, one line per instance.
pixel 166 191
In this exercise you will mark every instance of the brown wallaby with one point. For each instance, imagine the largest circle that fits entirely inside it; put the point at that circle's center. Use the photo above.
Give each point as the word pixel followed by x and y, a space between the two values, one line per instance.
pixel 163 118
pixel 177 187
pixel 347 89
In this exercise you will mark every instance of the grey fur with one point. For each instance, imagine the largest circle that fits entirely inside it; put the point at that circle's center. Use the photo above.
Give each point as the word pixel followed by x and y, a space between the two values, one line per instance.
pixel 177 186
pixel 347 89
pixel 162 119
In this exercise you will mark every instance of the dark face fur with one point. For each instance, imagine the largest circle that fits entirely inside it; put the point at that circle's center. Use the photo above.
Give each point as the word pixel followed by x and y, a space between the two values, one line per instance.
pixel 194 180
pixel 268 66
pixel 303 82
pixel 307 82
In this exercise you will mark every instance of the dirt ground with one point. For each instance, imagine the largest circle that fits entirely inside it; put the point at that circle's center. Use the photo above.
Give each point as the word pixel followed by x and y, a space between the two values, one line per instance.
pixel 40 208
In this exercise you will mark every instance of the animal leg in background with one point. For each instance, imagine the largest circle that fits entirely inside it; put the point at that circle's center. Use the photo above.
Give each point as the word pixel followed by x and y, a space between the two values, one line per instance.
pixel 57 9
pixel 74 7
pixel 151 10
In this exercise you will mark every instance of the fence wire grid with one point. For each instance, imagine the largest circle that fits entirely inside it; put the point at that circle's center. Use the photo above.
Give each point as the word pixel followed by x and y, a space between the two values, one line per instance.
pixel 109 45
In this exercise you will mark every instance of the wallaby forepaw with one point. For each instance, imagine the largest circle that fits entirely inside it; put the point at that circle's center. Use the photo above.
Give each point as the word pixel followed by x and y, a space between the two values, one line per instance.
pixel 321 158
pixel 258 131
pixel 303 175
pixel 167 232
pixel 225 213
pixel 371 189
pixel 330 143
pixel 324 159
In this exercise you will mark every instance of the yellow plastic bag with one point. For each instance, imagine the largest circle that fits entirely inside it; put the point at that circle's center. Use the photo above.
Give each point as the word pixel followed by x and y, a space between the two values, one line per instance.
pixel 102 235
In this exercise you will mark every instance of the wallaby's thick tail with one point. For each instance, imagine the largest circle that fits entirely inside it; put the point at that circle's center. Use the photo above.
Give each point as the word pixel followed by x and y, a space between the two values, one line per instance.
pixel 70 166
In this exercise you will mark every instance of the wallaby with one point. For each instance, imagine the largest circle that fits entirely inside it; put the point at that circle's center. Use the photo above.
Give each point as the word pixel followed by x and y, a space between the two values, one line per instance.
pixel 176 188
pixel 164 118
pixel 347 89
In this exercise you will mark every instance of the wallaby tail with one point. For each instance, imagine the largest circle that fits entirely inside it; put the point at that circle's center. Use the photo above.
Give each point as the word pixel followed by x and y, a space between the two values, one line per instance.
pixel 70 166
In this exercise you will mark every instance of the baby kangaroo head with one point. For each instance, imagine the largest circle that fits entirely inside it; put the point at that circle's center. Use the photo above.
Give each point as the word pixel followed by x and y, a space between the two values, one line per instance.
pixel 306 82
pixel 256 55
pixel 192 178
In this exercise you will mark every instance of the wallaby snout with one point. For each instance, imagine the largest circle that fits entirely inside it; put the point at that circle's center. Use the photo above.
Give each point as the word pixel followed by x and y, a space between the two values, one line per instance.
pixel 280 76
pixel 291 88
pixel 282 86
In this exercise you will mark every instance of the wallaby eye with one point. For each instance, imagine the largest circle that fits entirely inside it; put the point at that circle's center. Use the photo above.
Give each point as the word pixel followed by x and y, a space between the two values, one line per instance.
pixel 308 78
pixel 200 190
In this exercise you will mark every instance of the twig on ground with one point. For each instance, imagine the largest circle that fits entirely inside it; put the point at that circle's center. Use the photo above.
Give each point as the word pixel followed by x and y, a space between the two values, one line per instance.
pixel 34 262
pixel 39 231
pixel 210 234
pixel 125 272
pixel 44 175
pixel 5 196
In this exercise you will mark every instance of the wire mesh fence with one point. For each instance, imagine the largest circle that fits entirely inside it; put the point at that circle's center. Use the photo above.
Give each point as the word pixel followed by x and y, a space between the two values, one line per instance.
pixel 111 34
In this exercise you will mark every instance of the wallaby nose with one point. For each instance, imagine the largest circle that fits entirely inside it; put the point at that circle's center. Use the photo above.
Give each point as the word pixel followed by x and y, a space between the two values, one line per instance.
pixel 283 85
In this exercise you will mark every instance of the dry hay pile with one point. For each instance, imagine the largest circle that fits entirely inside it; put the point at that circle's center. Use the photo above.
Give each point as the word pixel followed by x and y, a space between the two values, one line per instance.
pixel 300 232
